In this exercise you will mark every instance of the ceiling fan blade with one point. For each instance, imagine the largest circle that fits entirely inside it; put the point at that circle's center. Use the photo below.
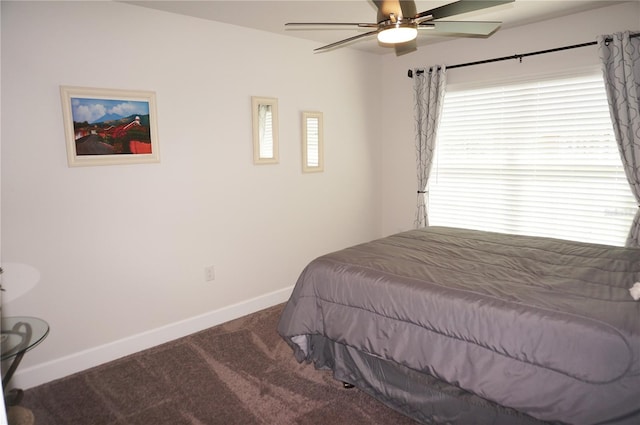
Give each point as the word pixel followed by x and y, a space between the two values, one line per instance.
pixel 400 8
pixel 404 48
pixel 330 24
pixel 463 27
pixel 385 7
pixel 408 8
pixel 346 40
pixel 460 7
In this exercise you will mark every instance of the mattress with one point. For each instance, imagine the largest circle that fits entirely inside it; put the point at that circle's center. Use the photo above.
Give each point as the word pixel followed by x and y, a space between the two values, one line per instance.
pixel 543 326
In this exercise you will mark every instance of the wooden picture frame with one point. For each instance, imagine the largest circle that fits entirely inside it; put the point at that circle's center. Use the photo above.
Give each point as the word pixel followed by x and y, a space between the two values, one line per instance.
pixel 264 113
pixel 312 142
pixel 109 126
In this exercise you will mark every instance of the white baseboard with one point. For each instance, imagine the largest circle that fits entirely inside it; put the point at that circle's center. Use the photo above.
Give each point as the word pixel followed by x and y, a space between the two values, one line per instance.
pixel 46 372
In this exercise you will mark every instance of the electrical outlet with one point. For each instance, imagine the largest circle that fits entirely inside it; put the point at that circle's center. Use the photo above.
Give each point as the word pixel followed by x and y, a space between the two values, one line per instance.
pixel 209 273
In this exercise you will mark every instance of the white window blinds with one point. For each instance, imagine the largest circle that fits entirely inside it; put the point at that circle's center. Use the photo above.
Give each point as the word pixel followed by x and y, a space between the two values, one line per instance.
pixel 313 137
pixel 536 158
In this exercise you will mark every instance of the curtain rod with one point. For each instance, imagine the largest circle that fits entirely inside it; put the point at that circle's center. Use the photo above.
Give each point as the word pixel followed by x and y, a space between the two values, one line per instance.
pixel 520 56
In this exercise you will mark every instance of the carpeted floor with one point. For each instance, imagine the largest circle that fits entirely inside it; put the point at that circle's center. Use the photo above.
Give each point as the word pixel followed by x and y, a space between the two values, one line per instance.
pixel 240 372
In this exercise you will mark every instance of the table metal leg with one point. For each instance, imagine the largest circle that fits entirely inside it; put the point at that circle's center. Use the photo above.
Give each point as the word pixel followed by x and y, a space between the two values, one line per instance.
pixel 13 397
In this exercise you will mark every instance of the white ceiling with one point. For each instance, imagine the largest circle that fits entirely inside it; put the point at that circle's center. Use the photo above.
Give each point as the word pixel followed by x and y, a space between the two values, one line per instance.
pixel 268 15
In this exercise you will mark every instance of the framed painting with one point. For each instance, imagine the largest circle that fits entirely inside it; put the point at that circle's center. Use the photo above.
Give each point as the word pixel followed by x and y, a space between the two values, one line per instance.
pixel 265 129
pixel 312 142
pixel 109 126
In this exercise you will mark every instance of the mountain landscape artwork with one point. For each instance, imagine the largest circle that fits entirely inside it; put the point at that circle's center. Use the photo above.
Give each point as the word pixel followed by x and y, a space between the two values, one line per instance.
pixel 110 126
pixel 107 126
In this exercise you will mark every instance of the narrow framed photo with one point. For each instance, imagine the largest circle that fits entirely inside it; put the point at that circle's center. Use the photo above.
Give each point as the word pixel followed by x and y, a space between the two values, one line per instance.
pixel 265 130
pixel 312 142
pixel 109 126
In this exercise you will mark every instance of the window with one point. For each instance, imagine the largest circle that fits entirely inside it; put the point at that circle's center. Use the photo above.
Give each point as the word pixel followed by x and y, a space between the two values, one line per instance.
pixel 535 158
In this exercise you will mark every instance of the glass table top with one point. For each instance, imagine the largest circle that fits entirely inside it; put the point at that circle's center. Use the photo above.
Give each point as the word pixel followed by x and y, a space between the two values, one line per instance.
pixel 20 334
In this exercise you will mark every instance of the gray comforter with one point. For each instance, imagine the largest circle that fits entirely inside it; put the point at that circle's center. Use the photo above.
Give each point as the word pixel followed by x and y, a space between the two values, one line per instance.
pixel 544 326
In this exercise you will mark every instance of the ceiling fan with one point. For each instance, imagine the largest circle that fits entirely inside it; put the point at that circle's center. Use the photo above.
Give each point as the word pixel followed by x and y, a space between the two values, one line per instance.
pixel 398 22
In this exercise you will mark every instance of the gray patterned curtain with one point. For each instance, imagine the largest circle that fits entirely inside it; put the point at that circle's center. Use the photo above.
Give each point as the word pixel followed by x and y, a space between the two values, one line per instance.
pixel 429 87
pixel 620 56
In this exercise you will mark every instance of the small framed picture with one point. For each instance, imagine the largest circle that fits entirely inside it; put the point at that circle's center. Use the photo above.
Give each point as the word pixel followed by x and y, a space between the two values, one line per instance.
pixel 265 129
pixel 312 142
pixel 109 126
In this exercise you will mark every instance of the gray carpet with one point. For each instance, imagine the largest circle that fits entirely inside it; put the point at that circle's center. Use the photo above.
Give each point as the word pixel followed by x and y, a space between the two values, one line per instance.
pixel 240 372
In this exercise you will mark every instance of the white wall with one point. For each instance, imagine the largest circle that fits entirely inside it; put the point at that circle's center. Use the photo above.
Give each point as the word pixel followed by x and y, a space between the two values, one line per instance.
pixel 3 416
pixel 113 257
pixel 399 182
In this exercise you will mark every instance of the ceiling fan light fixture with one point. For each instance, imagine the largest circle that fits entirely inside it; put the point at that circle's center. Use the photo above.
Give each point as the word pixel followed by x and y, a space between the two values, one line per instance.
pixel 398 33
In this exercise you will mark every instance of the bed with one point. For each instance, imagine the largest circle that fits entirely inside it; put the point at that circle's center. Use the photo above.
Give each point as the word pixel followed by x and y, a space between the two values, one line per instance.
pixel 461 326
